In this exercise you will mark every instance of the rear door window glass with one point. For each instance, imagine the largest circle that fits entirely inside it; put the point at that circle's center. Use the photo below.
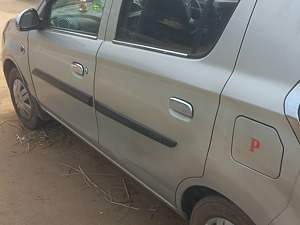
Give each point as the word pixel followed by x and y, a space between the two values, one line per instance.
pixel 187 26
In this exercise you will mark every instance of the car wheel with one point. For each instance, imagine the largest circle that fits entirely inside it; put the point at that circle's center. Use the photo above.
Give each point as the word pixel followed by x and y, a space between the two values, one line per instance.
pixel 216 210
pixel 22 101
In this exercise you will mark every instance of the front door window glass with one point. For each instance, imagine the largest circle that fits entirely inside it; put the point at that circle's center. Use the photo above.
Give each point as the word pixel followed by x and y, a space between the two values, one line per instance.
pixel 82 16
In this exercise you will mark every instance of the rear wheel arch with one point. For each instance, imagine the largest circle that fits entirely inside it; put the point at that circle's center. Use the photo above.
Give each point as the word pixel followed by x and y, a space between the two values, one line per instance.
pixel 214 210
pixel 193 195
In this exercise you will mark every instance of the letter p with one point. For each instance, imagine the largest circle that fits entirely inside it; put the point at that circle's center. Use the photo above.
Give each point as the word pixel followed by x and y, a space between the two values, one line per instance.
pixel 254 144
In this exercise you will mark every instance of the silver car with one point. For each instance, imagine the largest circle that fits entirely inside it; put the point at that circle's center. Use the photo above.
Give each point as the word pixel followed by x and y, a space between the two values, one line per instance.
pixel 198 100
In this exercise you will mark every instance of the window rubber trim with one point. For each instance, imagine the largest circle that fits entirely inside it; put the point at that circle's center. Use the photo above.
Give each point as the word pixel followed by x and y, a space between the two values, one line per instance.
pixel 145 47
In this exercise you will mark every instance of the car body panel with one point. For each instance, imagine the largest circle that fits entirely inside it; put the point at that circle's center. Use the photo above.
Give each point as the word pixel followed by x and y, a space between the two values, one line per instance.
pixel 257 90
pixel 60 49
pixel 291 213
pixel 60 54
pixel 120 85
pixel 13 52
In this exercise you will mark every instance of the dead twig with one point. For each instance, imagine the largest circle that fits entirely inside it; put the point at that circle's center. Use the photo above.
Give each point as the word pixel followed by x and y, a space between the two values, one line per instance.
pixel 121 204
pixel 13 124
pixel 70 167
pixel 107 195
pixel 85 177
pixel 126 189
pixel 95 174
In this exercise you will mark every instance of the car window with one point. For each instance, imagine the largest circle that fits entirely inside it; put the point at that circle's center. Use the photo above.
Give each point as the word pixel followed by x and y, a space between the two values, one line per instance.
pixel 82 16
pixel 187 26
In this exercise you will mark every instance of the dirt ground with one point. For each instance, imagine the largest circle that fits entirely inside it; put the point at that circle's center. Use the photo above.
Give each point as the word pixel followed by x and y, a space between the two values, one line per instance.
pixel 37 185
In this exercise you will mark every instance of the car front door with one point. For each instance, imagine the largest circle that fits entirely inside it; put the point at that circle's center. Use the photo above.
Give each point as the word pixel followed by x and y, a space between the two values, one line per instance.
pixel 159 78
pixel 63 59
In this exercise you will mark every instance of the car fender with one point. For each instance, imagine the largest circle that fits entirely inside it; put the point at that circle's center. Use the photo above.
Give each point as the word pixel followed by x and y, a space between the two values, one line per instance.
pixel 15 49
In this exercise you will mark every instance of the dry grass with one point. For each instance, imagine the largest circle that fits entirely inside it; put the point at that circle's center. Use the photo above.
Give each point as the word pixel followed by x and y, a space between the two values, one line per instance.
pixel 53 135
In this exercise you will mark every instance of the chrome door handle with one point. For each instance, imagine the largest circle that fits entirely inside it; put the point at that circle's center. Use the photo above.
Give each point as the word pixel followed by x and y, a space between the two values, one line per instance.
pixel 77 68
pixel 181 106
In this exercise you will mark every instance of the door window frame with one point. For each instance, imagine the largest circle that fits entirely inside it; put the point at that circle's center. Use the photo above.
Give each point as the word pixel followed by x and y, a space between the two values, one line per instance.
pixel 158 48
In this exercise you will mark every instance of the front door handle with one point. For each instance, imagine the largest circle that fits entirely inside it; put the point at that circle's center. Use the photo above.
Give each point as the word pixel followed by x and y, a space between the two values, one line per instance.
pixel 77 68
pixel 181 109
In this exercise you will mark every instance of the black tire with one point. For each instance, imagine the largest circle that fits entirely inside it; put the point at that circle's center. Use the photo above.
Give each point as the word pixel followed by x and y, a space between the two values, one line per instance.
pixel 213 209
pixel 23 101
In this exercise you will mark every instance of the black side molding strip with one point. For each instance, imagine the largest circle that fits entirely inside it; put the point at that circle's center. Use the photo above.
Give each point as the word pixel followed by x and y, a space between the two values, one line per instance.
pixel 134 125
pixel 74 92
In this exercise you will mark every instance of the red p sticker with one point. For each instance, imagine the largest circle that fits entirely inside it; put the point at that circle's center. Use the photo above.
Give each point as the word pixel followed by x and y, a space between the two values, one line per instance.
pixel 254 144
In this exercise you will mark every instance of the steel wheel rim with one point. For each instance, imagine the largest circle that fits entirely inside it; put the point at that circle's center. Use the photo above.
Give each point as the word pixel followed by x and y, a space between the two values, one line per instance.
pixel 22 100
pixel 218 221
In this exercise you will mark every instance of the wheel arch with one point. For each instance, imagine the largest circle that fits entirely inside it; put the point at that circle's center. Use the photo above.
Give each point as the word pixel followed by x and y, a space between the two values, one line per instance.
pixel 192 195
pixel 8 65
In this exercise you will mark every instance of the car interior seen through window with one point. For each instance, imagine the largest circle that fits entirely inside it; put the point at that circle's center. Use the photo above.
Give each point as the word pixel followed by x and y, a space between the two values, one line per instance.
pixel 81 16
pixel 187 26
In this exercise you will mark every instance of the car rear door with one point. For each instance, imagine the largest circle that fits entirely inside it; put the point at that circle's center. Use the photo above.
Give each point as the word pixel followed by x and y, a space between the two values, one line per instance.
pixel 63 59
pixel 157 90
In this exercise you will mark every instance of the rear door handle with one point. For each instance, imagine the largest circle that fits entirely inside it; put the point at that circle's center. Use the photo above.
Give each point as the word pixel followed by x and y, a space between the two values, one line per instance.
pixel 181 109
pixel 77 68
